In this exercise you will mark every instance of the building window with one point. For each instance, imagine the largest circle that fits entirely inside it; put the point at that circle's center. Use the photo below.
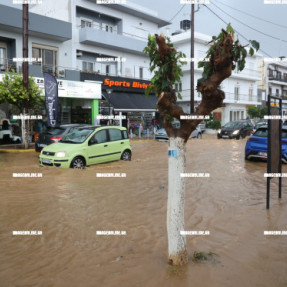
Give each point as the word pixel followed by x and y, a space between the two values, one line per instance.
pixel 107 70
pixel 141 72
pixel 270 91
pixel 270 73
pixel 87 66
pixel 48 56
pixel 36 54
pixel 236 93
pixel 3 56
pixel 109 28
pixel 277 92
pixel 86 23
pixel 178 87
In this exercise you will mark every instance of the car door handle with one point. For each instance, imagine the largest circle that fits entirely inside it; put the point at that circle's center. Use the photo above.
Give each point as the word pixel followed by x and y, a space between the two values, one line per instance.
pixel 105 145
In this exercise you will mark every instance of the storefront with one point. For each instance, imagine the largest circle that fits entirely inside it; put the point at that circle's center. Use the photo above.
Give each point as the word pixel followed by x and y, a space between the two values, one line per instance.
pixel 78 101
pixel 126 97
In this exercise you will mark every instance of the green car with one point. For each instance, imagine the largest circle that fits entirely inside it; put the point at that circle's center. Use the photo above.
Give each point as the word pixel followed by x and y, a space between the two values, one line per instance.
pixel 86 146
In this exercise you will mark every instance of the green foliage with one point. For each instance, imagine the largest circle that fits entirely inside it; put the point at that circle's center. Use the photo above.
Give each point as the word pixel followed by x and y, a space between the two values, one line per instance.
pixel 255 112
pixel 12 91
pixel 213 124
pixel 263 112
pixel 161 80
pixel 238 51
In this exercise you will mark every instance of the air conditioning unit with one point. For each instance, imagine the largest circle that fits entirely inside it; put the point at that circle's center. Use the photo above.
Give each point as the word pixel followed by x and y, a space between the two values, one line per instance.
pixel 79 53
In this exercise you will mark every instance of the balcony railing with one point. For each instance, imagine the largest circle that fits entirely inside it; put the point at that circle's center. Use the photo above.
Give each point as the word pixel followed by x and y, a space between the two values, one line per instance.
pixel 69 73
pixel 241 97
pixel 280 79
pixel 114 30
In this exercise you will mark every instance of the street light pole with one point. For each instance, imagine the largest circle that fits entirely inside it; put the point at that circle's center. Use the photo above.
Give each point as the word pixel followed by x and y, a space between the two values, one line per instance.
pixel 25 69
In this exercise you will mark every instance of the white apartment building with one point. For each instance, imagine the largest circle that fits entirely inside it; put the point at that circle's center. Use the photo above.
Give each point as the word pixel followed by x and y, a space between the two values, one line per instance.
pixel 274 79
pixel 240 88
pixel 97 43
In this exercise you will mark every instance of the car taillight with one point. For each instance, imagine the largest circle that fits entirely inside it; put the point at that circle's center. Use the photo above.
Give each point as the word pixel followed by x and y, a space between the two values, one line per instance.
pixel 252 139
pixel 247 151
pixel 55 139
pixel 284 141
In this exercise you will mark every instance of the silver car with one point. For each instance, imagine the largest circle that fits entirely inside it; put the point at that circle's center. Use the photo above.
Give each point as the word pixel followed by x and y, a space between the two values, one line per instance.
pixel 161 134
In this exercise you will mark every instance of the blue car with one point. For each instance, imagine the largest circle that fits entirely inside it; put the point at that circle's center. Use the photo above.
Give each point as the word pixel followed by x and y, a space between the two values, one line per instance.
pixel 256 145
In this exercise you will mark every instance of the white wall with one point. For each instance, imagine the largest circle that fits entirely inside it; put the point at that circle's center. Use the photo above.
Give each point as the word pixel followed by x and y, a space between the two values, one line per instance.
pixel 58 9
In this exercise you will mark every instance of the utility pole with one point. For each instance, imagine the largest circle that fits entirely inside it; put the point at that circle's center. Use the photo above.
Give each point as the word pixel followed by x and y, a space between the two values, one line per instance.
pixel 25 69
pixel 192 60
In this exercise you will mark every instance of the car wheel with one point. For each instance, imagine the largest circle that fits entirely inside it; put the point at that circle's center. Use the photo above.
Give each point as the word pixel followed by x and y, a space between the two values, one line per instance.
pixel 199 135
pixel 126 155
pixel 78 162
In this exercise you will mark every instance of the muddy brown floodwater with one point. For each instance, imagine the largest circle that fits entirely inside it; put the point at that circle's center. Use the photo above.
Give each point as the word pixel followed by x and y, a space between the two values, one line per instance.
pixel 70 206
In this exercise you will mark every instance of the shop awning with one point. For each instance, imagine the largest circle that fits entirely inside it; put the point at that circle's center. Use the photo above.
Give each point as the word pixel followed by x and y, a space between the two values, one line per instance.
pixel 126 102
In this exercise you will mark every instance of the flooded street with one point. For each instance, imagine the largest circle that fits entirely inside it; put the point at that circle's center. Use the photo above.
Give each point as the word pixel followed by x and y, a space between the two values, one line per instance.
pixel 70 206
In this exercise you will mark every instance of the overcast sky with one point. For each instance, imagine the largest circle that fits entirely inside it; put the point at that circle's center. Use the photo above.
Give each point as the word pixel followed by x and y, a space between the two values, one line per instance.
pixel 273 25
pixel 206 22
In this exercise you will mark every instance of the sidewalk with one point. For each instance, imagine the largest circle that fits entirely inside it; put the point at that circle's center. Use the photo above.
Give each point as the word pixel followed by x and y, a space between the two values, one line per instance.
pixel 17 148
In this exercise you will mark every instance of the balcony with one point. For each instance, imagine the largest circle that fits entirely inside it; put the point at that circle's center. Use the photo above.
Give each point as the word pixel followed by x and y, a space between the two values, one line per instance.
pixel 36 70
pixel 241 99
pixel 278 79
pixel 39 26
pixel 117 41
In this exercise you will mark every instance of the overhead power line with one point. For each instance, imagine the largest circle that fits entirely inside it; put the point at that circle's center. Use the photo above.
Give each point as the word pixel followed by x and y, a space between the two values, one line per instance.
pixel 258 31
pixel 253 16
pixel 235 30
pixel 177 13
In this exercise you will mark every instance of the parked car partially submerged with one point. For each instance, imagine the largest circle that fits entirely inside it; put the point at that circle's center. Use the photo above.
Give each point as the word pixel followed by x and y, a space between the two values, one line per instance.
pixel 6 133
pixel 235 130
pixel 260 123
pixel 256 145
pixel 86 146
pixel 54 134
pixel 161 134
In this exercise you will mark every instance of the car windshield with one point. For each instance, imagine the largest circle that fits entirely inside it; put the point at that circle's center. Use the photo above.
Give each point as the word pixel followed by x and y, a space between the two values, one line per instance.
pixel 264 133
pixel 79 135
pixel 232 125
